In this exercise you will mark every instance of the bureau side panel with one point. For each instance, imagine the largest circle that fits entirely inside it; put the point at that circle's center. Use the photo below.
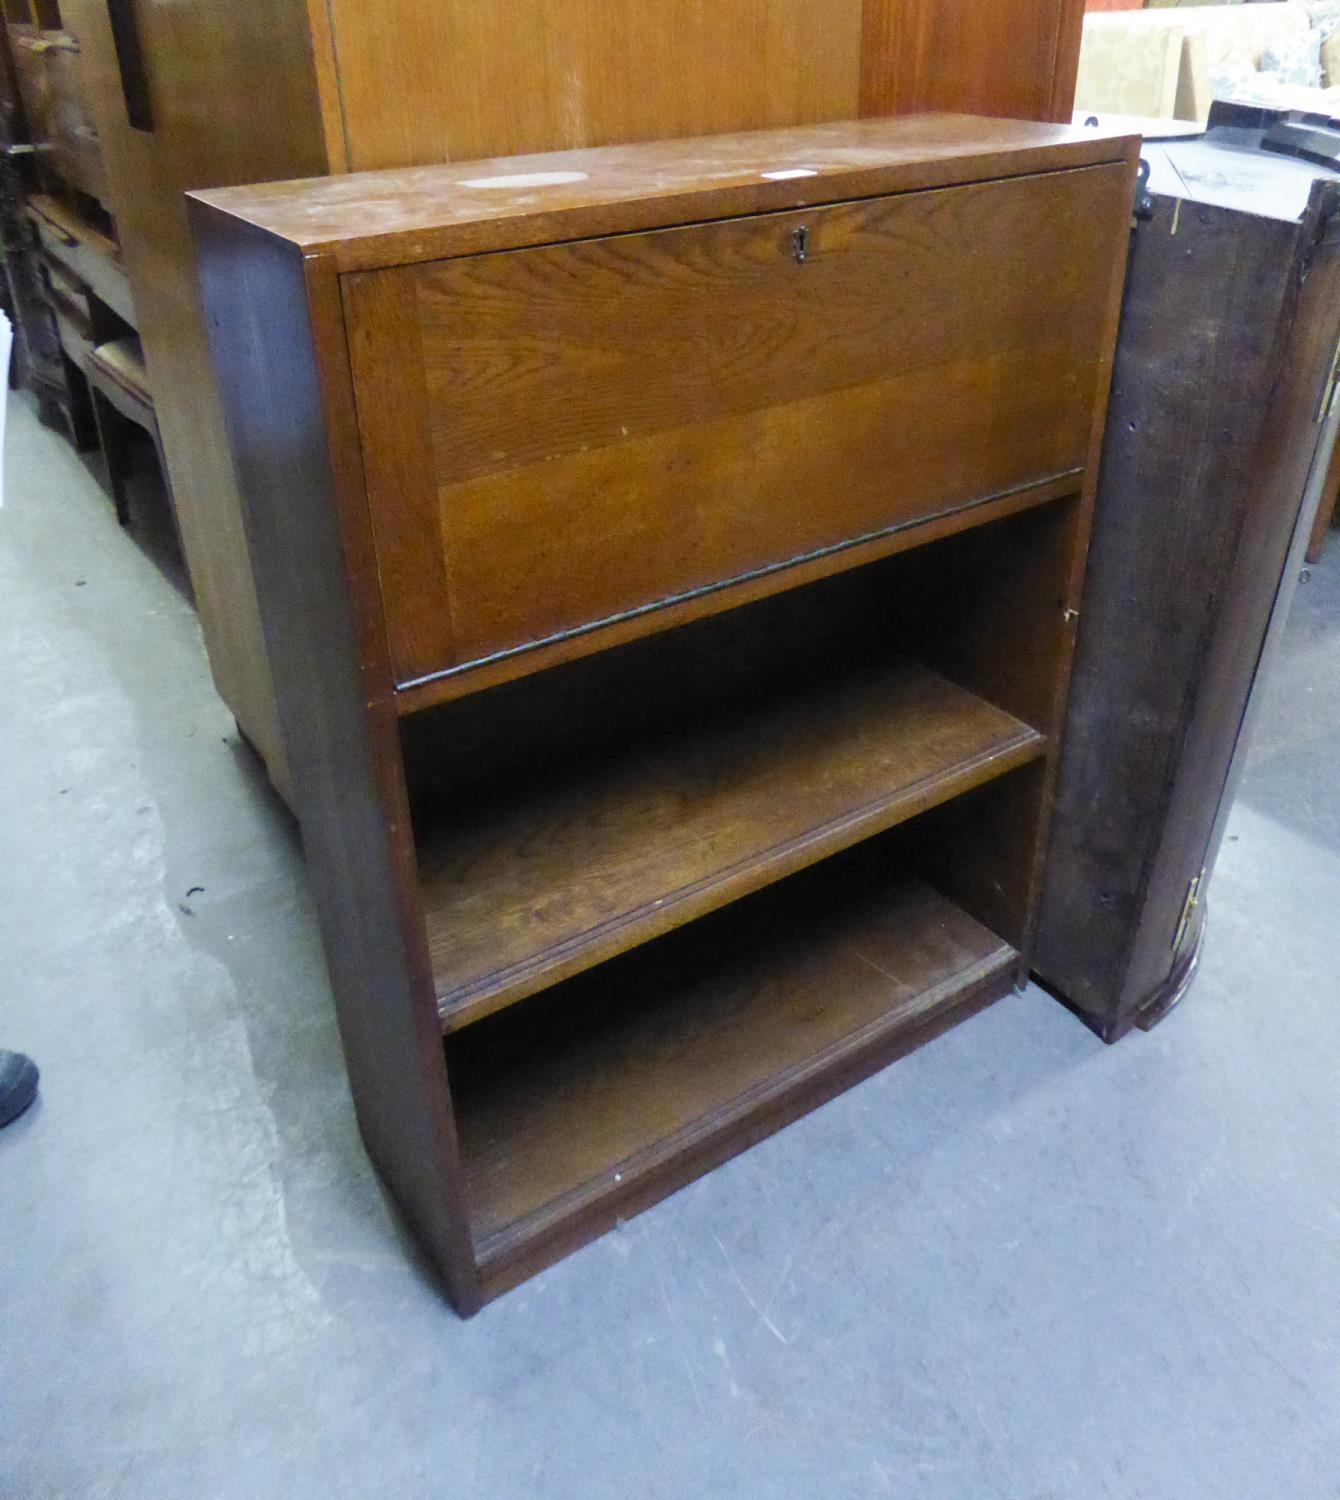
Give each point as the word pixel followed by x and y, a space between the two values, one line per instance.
pixel 1195 367
pixel 277 344
pixel 1257 585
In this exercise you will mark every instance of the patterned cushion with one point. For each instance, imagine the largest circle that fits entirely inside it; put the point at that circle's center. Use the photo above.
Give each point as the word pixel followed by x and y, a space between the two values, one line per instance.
pixel 1295 59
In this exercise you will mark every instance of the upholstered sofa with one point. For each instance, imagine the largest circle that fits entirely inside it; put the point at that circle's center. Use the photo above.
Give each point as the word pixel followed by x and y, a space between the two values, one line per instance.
pixel 1171 61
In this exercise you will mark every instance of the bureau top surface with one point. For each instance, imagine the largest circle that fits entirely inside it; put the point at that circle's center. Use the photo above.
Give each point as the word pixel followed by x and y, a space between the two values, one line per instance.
pixel 371 219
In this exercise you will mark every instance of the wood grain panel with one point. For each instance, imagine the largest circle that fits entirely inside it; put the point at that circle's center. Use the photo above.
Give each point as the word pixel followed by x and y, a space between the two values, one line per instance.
pixel 567 1108
pixel 689 325
pixel 691 396
pixel 570 867
pixel 992 57
pixel 424 81
pixel 581 540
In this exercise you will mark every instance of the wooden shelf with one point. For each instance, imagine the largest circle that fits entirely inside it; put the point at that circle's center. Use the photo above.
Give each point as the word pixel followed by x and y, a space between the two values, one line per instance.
pixel 527 889
pixel 604 1096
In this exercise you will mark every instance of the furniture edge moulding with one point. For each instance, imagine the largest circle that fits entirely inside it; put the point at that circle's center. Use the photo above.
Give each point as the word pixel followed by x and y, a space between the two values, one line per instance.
pixel 447 684
pixel 307 524
pixel 648 185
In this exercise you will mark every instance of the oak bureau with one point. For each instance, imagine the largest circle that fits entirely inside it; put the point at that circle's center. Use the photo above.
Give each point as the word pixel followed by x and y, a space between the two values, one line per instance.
pixel 670 556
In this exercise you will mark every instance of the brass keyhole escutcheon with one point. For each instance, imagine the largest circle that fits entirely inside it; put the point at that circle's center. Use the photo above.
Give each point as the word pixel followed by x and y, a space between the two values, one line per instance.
pixel 800 245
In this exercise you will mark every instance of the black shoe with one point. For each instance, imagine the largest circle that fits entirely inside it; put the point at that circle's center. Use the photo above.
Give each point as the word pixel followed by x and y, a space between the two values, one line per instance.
pixel 18 1085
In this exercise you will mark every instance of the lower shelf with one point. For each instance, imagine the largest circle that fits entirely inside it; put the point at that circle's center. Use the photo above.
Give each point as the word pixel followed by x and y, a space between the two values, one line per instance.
pixel 619 1086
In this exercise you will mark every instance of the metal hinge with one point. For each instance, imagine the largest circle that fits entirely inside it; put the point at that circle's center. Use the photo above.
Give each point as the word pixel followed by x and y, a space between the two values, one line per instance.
pixel 1188 910
pixel 1143 207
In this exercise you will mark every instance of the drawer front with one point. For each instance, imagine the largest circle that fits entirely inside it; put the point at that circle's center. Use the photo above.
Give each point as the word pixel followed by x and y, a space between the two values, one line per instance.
pixel 69 297
pixel 89 257
pixel 555 438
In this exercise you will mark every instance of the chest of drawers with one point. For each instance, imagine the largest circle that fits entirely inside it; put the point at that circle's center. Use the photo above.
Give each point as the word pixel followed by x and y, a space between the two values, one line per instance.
pixel 669 556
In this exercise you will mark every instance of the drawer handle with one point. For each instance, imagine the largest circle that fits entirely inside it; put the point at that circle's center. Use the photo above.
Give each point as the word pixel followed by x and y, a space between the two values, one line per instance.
pixel 130 62
pixel 800 245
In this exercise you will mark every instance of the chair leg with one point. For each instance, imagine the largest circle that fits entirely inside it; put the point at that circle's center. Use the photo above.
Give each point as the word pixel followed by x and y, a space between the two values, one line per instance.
pixel 83 425
pixel 115 443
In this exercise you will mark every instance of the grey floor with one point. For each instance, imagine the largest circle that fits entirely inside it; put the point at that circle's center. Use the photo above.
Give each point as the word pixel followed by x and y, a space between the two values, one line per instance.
pixel 1018 1264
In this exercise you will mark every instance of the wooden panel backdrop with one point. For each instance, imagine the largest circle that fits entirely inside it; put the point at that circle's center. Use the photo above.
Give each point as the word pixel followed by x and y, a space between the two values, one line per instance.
pixel 532 75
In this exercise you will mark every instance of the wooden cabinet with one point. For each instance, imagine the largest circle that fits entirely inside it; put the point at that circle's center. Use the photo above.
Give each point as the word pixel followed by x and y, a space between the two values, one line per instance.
pixel 37 350
pixel 232 94
pixel 669 557
pixel 1217 451
pixel 68 284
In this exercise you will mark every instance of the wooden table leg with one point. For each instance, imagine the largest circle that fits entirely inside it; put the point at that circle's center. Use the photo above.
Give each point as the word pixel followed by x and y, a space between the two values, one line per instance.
pixel 114 441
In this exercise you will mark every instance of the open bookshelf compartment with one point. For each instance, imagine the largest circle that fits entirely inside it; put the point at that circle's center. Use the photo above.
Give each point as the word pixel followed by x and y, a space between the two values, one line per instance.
pixel 565 818
pixel 621 1084
pixel 545 879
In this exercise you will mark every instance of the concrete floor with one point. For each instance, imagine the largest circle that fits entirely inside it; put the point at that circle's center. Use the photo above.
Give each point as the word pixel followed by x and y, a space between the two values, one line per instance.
pixel 1018 1264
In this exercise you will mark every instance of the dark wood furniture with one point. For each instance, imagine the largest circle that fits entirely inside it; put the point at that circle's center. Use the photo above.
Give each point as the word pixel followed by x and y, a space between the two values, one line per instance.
pixel 1219 439
pixel 76 296
pixel 40 360
pixel 213 93
pixel 669 556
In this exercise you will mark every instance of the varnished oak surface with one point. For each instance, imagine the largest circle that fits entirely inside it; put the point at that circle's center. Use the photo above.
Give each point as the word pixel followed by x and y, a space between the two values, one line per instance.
pixel 701 405
pixel 994 57
pixel 426 213
pixel 605 1082
pixel 420 81
pixel 560 872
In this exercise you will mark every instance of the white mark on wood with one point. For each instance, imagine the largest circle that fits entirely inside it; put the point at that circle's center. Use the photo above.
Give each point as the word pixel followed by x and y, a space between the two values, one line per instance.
pixel 524 180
